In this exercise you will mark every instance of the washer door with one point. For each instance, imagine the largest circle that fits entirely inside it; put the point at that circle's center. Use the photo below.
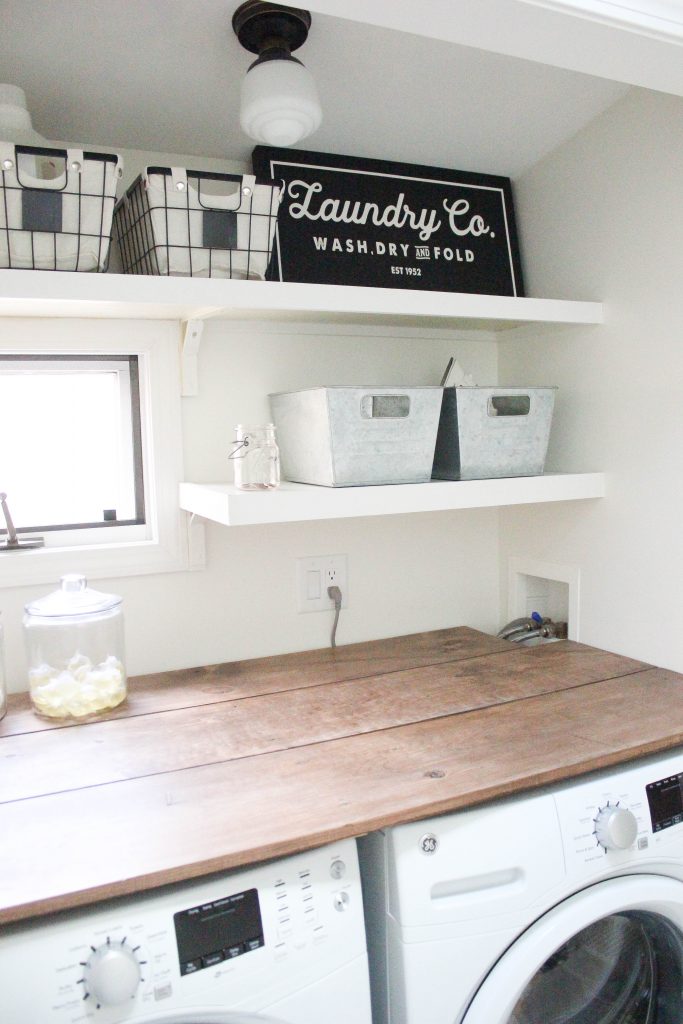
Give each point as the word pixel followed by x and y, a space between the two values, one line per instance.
pixel 611 954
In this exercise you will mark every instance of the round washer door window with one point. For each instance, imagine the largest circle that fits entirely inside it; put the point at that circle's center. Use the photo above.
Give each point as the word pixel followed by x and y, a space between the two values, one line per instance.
pixel 611 954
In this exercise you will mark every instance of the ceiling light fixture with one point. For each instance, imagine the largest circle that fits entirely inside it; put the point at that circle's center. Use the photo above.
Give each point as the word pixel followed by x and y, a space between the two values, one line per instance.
pixel 15 120
pixel 279 100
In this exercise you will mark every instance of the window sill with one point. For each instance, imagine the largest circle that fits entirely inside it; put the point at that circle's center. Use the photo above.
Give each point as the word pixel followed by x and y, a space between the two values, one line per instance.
pixel 183 550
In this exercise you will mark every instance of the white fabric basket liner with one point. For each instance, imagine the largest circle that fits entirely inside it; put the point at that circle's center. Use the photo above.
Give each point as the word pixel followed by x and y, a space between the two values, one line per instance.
pixel 88 197
pixel 177 217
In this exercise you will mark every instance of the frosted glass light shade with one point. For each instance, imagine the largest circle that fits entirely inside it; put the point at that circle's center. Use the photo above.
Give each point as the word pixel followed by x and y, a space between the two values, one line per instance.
pixel 15 120
pixel 279 103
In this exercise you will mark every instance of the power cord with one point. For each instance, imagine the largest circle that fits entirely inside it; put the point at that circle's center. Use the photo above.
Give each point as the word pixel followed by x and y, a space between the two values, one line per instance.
pixel 335 594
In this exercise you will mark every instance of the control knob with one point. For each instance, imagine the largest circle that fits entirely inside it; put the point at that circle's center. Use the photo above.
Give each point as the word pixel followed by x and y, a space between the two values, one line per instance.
pixel 616 827
pixel 111 974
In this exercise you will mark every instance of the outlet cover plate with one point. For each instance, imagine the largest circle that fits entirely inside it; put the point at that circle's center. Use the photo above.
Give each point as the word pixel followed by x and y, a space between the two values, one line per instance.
pixel 314 575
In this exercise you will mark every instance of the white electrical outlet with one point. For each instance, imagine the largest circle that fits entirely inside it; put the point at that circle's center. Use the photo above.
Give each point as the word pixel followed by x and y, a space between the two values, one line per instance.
pixel 314 576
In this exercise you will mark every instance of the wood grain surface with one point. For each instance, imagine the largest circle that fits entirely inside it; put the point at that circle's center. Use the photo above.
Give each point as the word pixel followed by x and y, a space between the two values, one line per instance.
pixel 149 744
pixel 190 687
pixel 263 765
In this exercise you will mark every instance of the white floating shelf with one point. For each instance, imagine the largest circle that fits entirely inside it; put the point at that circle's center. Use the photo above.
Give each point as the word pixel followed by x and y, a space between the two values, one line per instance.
pixel 56 294
pixel 290 503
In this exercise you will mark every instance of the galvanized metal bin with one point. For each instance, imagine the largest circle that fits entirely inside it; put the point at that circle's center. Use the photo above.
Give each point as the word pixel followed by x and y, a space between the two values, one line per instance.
pixel 493 432
pixel 351 436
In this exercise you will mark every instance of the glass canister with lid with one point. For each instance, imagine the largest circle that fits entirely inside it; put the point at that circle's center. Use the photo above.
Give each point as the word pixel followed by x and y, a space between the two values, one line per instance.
pixel 75 650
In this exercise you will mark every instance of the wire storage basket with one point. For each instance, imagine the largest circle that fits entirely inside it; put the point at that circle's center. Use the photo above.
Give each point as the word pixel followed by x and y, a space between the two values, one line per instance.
pixel 56 207
pixel 197 223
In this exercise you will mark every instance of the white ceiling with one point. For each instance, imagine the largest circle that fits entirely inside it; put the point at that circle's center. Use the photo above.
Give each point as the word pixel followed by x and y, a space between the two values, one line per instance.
pixel 164 75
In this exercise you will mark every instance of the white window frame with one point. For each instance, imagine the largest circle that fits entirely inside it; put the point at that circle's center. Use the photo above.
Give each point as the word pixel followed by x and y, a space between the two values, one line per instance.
pixel 165 543
pixel 57 365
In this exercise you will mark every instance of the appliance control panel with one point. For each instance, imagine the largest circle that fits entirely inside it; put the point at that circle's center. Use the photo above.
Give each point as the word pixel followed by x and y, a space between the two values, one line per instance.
pixel 665 800
pixel 625 817
pixel 218 930
pixel 238 940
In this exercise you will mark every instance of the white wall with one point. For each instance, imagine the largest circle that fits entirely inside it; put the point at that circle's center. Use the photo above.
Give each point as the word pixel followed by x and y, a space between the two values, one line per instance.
pixel 602 218
pixel 406 573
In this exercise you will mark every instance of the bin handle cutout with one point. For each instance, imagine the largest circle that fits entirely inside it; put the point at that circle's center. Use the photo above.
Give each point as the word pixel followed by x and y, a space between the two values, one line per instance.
pixel 59 166
pixel 509 405
pixel 220 200
pixel 385 407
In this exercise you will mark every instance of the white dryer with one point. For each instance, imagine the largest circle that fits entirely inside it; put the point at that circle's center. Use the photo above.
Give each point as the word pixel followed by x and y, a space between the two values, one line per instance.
pixel 564 906
pixel 280 942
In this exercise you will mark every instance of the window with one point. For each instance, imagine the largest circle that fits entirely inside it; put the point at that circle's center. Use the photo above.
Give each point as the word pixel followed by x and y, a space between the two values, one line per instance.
pixel 76 454
pixel 91 448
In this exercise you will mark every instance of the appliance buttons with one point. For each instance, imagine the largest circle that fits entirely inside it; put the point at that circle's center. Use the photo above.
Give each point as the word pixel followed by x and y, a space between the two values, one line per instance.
pixel 211 959
pixel 341 900
pixel 233 951
pixel 337 869
pixel 190 966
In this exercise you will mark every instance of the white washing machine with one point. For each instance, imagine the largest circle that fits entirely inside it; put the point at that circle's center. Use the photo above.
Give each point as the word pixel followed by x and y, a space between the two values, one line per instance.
pixel 564 906
pixel 280 942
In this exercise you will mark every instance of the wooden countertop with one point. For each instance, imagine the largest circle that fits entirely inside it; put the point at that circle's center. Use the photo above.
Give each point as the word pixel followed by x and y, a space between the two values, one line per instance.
pixel 207 769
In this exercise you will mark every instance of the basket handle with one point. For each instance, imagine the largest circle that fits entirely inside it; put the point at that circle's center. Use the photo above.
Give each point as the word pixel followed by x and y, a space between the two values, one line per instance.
pixel 73 165
pixel 230 202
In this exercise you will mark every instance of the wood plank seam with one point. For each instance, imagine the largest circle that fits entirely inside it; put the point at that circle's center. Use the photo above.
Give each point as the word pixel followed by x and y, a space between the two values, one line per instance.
pixel 305 743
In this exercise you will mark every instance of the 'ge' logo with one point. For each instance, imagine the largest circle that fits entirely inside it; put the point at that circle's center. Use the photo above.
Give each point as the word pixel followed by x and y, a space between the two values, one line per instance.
pixel 429 843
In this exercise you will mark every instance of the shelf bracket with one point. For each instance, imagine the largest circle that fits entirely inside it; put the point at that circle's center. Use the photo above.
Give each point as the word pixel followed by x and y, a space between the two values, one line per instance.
pixel 191 336
pixel 196 542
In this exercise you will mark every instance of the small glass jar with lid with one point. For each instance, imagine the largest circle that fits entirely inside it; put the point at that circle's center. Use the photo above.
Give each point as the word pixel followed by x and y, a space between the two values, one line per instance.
pixel 74 645
pixel 256 458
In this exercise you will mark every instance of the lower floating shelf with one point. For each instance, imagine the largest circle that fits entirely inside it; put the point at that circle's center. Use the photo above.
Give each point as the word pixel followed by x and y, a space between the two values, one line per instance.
pixel 291 503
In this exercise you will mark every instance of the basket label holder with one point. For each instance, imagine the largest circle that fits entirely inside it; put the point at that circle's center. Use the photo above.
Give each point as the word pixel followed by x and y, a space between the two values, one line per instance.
pixel 219 229
pixel 41 210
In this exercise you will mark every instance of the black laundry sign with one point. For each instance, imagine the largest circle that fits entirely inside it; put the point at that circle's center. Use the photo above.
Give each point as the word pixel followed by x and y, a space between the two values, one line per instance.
pixel 351 221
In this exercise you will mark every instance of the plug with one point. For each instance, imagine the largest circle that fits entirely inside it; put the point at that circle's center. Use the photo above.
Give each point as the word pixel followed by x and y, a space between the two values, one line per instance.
pixel 335 594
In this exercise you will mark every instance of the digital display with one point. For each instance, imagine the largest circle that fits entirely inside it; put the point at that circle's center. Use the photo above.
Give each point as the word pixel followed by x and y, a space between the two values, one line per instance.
pixel 217 931
pixel 665 799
